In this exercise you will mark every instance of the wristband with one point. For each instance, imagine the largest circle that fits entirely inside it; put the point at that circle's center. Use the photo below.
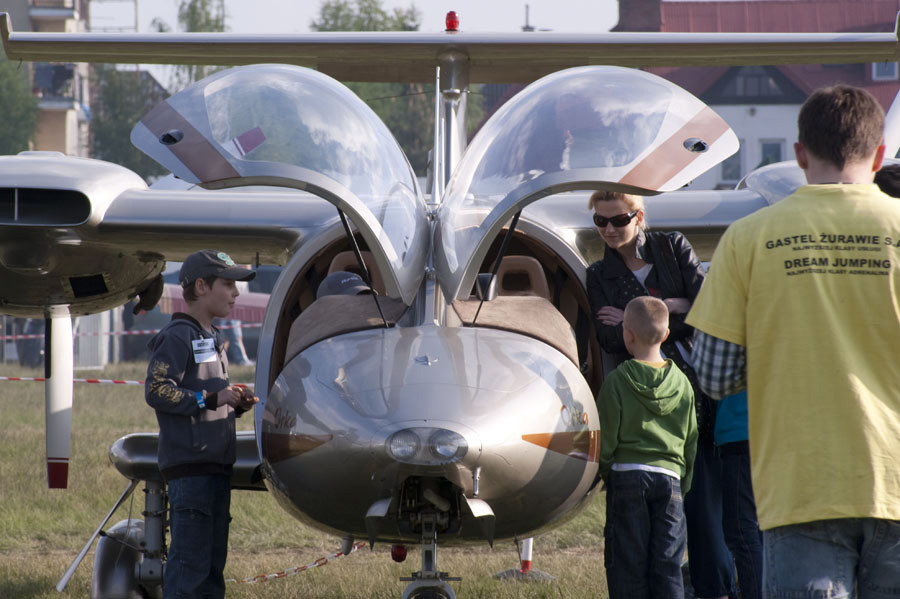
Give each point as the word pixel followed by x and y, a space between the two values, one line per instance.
pixel 200 401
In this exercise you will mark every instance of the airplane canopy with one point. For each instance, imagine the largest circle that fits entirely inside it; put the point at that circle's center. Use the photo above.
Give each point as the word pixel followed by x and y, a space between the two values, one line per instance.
pixel 289 126
pixel 583 128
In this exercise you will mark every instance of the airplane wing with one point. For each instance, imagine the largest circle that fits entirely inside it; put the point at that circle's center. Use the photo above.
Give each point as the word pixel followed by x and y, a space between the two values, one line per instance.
pixel 411 56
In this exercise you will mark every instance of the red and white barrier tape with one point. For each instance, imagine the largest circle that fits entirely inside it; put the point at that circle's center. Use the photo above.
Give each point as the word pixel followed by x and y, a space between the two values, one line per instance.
pixel 248 325
pixel 296 570
pixel 36 379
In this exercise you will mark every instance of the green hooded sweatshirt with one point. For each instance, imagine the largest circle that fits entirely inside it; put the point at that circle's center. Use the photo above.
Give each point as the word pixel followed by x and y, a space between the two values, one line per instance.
pixel 647 417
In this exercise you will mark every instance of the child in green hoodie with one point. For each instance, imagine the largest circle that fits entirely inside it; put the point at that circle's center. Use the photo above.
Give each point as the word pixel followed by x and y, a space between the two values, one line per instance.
pixel 648 439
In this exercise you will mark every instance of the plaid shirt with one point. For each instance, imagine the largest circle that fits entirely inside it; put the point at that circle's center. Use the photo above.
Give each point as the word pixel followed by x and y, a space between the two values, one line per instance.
pixel 721 366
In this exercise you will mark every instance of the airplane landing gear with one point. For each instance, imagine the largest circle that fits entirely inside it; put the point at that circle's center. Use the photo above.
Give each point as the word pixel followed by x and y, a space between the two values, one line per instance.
pixel 128 559
pixel 429 582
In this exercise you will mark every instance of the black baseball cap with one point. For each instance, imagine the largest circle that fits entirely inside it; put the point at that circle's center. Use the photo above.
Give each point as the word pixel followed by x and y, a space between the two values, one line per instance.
pixel 210 263
pixel 342 282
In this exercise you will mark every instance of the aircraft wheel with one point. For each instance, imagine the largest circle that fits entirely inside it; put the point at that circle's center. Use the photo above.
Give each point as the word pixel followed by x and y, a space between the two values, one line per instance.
pixel 114 564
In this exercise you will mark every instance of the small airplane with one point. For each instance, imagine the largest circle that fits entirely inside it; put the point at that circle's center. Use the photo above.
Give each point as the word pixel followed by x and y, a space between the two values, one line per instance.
pixel 455 404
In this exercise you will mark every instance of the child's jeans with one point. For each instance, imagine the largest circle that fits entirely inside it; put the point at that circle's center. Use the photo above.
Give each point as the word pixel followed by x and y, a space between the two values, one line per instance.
pixel 645 535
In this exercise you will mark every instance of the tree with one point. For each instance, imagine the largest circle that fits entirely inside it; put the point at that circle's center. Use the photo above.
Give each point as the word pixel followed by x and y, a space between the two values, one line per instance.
pixel 121 98
pixel 365 15
pixel 20 106
pixel 194 15
pixel 405 108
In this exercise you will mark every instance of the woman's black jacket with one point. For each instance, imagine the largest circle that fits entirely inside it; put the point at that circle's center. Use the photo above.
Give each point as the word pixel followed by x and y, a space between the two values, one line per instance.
pixel 611 283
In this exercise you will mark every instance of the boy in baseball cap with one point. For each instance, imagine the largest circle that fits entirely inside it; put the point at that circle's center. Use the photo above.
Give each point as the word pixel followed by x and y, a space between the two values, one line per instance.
pixel 187 384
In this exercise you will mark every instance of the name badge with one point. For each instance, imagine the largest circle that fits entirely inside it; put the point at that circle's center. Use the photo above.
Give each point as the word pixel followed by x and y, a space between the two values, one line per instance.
pixel 204 350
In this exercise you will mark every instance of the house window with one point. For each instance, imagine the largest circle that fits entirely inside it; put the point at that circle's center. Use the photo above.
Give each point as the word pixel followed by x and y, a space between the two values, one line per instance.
pixel 884 71
pixel 752 82
pixel 770 151
pixel 731 167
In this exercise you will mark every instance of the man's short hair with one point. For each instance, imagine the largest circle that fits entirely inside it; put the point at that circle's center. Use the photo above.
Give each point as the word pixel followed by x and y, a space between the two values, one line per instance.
pixel 841 124
pixel 888 179
pixel 648 319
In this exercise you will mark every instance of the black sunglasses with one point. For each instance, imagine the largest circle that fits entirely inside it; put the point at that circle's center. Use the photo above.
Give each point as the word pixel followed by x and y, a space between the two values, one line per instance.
pixel 619 220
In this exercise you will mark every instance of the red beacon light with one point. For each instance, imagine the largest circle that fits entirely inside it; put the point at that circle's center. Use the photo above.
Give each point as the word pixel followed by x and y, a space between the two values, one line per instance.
pixel 452 22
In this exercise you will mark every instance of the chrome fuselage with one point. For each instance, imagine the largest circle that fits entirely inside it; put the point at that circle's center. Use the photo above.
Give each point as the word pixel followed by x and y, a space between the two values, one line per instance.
pixel 524 410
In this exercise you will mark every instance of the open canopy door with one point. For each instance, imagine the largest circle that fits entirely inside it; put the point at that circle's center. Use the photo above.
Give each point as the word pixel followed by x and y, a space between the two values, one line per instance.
pixel 288 126
pixel 583 128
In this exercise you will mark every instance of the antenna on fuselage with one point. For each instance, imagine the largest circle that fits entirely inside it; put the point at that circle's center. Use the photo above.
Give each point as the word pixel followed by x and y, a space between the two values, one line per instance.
pixel 364 272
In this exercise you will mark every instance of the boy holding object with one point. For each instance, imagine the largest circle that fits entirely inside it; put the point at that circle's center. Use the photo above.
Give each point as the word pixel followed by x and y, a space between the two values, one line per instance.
pixel 187 385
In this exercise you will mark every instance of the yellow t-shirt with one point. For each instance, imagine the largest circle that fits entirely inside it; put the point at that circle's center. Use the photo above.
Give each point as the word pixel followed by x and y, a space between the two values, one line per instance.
pixel 811 288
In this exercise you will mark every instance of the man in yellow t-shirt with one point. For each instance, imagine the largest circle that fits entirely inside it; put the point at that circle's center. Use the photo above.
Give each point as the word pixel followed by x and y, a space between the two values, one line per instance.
pixel 802 302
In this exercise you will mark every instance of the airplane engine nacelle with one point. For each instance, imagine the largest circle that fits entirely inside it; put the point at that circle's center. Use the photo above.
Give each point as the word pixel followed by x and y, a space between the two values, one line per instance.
pixel 51 207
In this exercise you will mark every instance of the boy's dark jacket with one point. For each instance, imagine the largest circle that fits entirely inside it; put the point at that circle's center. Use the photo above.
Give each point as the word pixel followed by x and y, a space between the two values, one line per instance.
pixel 192 440
pixel 647 417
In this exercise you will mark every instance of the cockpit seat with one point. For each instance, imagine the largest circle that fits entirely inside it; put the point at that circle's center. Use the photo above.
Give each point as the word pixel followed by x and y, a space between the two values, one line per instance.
pixel 522 275
pixel 347 261
pixel 522 306
pixel 526 315
pixel 338 314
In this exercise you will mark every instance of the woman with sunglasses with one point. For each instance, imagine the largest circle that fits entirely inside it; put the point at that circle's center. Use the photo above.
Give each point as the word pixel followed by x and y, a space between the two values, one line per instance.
pixel 638 262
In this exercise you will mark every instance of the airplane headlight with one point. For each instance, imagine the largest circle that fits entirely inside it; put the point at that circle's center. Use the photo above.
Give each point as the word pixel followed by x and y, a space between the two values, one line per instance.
pixel 403 445
pixel 447 445
pixel 426 446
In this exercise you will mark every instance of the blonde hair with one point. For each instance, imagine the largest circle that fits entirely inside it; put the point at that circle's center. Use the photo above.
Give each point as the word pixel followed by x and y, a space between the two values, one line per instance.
pixel 632 201
pixel 647 318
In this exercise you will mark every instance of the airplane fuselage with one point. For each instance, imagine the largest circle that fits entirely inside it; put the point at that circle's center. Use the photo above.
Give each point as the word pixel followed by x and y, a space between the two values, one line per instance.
pixel 522 410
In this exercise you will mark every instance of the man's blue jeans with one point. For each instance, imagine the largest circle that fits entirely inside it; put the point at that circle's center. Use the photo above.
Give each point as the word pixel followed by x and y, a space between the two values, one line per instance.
pixel 199 514
pixel 645 536
pixel 711 564
pixel 844 558
pixel 739 518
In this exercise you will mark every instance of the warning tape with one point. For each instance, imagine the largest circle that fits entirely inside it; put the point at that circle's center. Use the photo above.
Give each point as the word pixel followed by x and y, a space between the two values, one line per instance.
pixel 296 570
pixel 249 325
pixel 36 379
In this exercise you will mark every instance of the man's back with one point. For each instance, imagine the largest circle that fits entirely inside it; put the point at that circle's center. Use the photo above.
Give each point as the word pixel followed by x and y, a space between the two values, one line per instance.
pixel 810 288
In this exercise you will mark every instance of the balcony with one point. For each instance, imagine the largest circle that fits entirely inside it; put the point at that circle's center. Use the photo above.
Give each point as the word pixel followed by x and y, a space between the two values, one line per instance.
pixel 56 84
pixel 53 10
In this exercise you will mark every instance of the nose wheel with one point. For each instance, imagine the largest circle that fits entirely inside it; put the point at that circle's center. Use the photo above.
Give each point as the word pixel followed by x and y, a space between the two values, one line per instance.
pixel 429 582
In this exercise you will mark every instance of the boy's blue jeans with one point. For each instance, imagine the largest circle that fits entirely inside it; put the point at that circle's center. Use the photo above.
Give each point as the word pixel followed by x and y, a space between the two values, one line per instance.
pixel 830 559
pixel 645 535
pixel 199 514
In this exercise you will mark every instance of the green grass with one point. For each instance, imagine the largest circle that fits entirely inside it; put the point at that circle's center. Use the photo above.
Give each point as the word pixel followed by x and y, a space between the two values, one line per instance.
pixel 41 530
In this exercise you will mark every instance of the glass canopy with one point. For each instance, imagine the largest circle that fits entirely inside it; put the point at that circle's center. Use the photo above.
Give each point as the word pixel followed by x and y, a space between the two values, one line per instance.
pixel 290 126
pixel 582 128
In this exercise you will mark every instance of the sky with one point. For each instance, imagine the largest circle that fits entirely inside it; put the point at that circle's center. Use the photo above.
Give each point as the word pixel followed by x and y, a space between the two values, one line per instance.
pixel 294 16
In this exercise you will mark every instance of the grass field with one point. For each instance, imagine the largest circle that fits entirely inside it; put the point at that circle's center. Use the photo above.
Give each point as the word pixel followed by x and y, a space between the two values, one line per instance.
pixel 42 530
